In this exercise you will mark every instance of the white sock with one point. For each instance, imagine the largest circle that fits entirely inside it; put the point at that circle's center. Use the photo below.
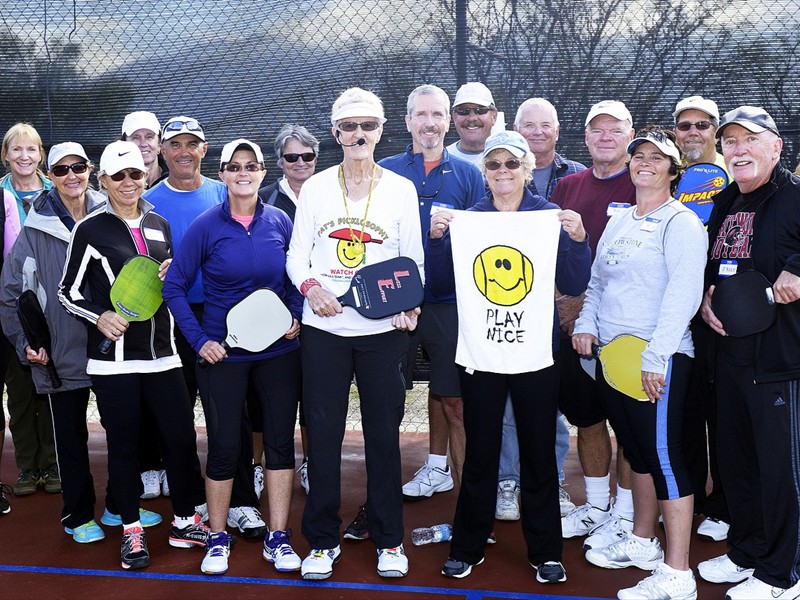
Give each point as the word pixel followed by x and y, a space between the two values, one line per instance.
pixel 673 571
pixel 597 491
pixel 643 541
pixel 437 461
pixel 623 505
pixel 181 522
pixel 126 526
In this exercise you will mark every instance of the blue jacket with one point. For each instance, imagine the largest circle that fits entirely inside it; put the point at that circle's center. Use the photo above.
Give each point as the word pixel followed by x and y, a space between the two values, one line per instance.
pixel 454 183
pixel 573 263
pixel 233 262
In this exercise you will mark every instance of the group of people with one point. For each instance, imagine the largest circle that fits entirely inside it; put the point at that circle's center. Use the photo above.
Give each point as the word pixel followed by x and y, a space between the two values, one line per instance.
pixel 628 259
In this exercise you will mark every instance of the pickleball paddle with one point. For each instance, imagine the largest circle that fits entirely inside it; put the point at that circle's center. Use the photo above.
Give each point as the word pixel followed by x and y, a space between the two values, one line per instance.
pixel 698 186
pixel 136 292
pixel 621 362
pixel 744 303
pixel 385 288
pixel 36 330
pixel 255 322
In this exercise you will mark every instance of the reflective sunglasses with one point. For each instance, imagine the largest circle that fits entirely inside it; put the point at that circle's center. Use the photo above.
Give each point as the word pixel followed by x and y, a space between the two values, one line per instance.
pixel 251 167
pixel 190 125
pixel 306 156
pixel 510 164
pixel 699 125
pixel 351 126
pixel 134 174
pixel 463 111
pixel 62 170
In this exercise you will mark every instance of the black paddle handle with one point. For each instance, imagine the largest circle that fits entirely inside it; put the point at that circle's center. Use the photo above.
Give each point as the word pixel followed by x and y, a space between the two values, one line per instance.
pixel 51 372
pixel 596 350
pixel 203 362
pixel 105 346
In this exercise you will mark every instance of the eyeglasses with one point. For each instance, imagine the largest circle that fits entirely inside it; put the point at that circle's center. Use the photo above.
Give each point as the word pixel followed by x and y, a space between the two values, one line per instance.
pixel 510 164
pixel 351 126
pixel 463 111
pixel 251 167
pixel 134 174
pixel 306 156
pixel 699 125
pixel 63 170
pixel 190 125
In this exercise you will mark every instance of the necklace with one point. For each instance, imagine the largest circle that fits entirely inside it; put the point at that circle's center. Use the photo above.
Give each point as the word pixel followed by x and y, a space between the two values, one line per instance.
pixel 359 250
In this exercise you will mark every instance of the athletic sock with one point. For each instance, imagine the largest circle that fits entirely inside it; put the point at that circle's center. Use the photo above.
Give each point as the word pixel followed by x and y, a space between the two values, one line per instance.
pixel 127 526
pixel 644 541
pixel 437 461
pixel 182 522
pixel 597 491
pixel 623 505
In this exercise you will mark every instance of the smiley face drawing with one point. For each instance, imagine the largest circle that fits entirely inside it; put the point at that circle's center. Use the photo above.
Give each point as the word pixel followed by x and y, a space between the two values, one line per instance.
pixel 504 275
pixel 349 251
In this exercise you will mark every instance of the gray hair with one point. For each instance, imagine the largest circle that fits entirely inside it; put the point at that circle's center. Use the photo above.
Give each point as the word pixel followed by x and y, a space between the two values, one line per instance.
pixel 297 132
pixel 539 102
pixel 425 90
pixel 527 164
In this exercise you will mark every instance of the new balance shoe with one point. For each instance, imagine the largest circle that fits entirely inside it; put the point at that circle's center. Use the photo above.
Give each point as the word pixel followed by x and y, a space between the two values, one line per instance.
pixel 755 589
pixel 507 507
pixel 147 518
pixel 151 485
pixel 665 582
pixel 723 570
pixel 392 562
pixel 258 480
pixel 218 550
pixel 5 507
pixel 551 571
pixel 319 563
pixel 583 519
pixel 304 476
pixel 627 552
pixel 566 503
pixel 190 536
pixel 359 528
pixel 427 481
pixel 458 569
pixel 162 477
pixel 713 530
pixel 612 530
pixel 279 552
pixel 27 482
pixel 50 478
pixel 247 520
pixel 86 533
pixel 134 553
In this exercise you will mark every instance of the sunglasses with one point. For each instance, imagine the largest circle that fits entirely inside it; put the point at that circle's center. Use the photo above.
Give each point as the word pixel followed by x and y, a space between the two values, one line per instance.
pixel 190 125
pixel 62 170
pixel 463 111
pixel 306 156
pixel 351 126
pixel 699 125
pixel 510 164
pixel 251 167
pixel 134 174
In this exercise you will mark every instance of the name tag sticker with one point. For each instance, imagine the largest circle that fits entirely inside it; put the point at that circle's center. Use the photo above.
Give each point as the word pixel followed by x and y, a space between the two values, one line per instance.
pixel 650 224
pixel 437 206
pixel 616 207
pixel 728 267
pixel 153 234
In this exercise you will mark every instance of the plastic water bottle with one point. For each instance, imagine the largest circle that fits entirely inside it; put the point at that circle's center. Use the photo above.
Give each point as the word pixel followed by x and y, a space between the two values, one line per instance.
pixel 431 535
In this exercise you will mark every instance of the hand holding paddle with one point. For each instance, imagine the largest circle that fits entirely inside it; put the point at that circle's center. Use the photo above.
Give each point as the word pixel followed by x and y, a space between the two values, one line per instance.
pixel 786 288
pixel 37 332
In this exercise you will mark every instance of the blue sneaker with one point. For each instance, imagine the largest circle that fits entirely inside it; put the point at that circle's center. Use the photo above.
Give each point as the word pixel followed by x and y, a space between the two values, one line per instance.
pixel 86 533
pixel 147 518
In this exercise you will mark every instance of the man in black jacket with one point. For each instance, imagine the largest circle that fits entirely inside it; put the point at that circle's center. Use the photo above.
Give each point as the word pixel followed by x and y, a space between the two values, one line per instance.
pixel 755 225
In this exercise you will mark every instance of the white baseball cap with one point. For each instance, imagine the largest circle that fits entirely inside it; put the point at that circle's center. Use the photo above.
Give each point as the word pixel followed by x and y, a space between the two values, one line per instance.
pixel 697 103
pixel 508 140
pixel 179 125
pixel 612 108
pixel 474 92
pixel 121 155
pixel 59 151
pixel 140 119
pixel 231 147
pixel 664 144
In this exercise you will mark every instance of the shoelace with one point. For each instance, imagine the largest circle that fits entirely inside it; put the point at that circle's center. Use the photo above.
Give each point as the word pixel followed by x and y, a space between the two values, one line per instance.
pixel 393 551
pixel 6 489
pixel 135 540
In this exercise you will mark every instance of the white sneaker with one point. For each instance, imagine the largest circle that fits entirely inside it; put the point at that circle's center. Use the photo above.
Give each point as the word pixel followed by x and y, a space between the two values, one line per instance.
pixel 567 505
pixel 162 477
pixel 713 530
pixel 665 583
pixel 507 508
pixel 247 520
pixel 757 589
pixel 258 480
pixel 627 552
pixel 583 519
pixel 278 551
pixel 427 481
pixel 304 476
pixel 612 530
pixel 202 510
pixel 723 570
pixel 319 563
pixel 152 485
pixel 217 553
pixel 392 562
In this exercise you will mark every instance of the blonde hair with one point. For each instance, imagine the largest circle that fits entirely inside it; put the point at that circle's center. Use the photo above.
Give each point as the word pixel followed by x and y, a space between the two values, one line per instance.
pixel 20 130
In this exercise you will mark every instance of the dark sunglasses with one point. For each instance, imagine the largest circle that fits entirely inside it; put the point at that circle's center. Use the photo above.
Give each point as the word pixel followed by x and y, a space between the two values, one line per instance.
pixel 306 156
pixel 699 125
pixel 134 174
pixel 351 126
pixel 463 111
pixel 62 170
pixel 511 164
pixel 190 125
pixel 251 167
